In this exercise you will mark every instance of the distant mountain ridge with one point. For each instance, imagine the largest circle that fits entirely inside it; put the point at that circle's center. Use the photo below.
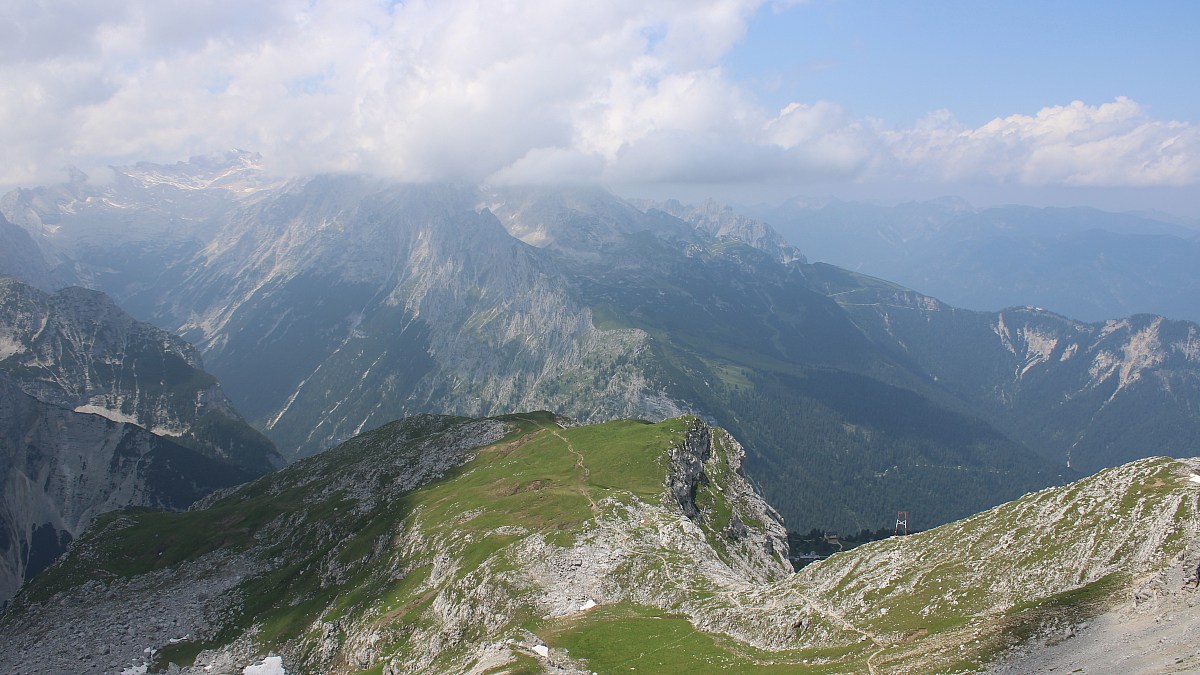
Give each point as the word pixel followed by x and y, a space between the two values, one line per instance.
pixel 21 258
pixel 1083 394
pixel 721 221
pixel 1081 262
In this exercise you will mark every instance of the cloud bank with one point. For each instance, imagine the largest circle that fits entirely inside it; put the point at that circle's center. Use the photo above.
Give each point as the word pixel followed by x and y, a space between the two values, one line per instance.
pixel 623 92
pixel 1115 144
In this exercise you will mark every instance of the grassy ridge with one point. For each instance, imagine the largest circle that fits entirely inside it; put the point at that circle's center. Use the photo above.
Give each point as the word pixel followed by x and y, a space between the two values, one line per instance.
pixel 344 549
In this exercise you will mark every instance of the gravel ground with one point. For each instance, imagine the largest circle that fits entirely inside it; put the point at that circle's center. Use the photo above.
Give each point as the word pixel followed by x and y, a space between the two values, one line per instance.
pixel 1156 632
pixel 113 627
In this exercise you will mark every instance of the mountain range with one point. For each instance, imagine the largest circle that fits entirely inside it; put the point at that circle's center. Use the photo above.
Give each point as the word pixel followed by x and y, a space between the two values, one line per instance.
pixel 332 305
pixel 1083 263
pixel 340 311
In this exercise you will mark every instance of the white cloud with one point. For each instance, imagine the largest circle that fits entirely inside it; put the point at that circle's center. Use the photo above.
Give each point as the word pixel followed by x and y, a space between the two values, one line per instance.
pixel 419 90
pixel 1110 145
pixel 620 92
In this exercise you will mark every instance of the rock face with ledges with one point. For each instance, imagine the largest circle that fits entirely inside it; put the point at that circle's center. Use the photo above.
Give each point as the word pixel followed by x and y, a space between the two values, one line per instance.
pixel 102 412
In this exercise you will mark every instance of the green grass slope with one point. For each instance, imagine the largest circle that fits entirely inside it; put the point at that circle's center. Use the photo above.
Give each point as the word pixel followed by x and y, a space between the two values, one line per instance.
pixel 391 538
pixel 517 544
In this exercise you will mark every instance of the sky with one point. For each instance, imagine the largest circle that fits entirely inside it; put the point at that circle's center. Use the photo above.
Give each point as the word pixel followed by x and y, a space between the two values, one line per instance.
pixel 1064 103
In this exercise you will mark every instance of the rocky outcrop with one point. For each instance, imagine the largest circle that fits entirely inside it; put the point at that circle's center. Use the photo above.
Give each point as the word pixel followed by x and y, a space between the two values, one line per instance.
pixel 686 473
pixel 753 520
pixel 705 449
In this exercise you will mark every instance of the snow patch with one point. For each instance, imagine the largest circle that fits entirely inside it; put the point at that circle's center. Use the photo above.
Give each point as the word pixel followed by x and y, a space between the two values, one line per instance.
pixel 114 415
pixel 9 346
pixel 272 665
pixel 1194 478
pixel 587 605
pixel 542 651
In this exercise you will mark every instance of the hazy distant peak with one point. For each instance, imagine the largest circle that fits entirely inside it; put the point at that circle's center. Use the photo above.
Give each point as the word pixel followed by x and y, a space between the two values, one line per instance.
pixel 235 170
pixel 719 220
pixel 579 219
pixel 811 202
pixel 952 203
pixel 20 256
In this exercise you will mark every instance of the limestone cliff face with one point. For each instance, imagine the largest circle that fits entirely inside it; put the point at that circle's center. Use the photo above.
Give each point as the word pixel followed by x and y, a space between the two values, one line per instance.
pixel 338 304
pixel 101 412
pixel 686 474
pixel 60 469
pixel 706 450
pixel 77 350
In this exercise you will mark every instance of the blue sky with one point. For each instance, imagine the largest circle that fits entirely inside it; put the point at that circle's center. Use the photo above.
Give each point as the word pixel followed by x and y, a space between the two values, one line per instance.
pixel 898 61
pixel 1029 102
